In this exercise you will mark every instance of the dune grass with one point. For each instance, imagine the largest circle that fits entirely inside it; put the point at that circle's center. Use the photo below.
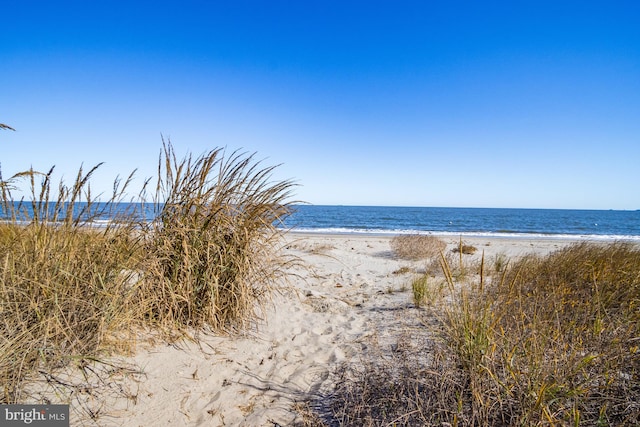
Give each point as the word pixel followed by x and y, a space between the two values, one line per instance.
pixel 562 336
pixel 214 255
pixel 70 289
pixel 548 340
pixel 426 290
pixel 62 282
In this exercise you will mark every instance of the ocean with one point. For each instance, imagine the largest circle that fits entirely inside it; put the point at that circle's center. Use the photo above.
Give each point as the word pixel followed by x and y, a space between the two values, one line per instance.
pixel 547 223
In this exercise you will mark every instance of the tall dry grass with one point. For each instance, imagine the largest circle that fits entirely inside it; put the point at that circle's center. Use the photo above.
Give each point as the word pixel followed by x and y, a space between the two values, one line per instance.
pixel 62 282
pixel 214 251
pixel 71 290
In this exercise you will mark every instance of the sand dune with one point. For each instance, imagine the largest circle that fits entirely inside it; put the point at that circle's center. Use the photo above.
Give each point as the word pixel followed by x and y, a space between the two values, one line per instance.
pixel 347 297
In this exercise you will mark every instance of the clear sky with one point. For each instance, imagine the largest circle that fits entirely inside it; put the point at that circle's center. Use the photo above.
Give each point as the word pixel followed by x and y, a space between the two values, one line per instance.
pixel 418 103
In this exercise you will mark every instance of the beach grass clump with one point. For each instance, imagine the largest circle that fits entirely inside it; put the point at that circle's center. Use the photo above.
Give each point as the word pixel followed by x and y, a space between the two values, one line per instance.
pixel 65 285
pixel 419 286
pixel 214 249
pixel 500 262
pixel 426 290
pixel 417 246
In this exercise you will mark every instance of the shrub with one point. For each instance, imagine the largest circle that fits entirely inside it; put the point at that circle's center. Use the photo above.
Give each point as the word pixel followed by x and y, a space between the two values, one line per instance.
pixel 417 246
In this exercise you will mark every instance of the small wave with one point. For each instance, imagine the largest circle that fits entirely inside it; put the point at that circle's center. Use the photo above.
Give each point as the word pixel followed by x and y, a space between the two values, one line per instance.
pixel 489 234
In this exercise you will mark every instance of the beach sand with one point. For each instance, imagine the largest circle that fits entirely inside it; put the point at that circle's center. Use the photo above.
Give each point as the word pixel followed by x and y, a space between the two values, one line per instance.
pixel 346 298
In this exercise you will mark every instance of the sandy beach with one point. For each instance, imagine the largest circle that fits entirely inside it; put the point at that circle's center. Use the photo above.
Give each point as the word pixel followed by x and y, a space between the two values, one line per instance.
pixel 347 297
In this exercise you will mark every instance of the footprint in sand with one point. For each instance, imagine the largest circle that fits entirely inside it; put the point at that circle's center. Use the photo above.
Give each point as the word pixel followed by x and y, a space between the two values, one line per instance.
pixel 322 331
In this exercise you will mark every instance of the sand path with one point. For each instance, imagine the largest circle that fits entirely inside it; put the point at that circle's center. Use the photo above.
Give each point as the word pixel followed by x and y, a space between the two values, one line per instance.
pixel 348 297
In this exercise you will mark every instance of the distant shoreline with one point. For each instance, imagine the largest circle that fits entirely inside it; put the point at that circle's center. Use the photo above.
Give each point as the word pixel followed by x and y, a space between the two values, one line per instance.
pixel 466 235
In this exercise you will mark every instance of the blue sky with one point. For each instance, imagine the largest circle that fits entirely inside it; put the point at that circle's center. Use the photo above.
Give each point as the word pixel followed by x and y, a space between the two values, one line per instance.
pixel 460 103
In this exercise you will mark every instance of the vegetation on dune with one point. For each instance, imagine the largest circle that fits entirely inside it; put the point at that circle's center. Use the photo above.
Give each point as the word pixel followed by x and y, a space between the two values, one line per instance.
pixel 213 250
pixel 464 248
pixel 71 290
pixel 563 336
pixel 64 286
pixel 548 340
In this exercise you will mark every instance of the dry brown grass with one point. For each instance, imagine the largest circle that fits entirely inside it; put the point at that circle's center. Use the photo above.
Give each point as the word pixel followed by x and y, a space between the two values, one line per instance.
pixel 64 285
pixel 214 251
pixel 563 335
pixel 417 246
pixel 71 290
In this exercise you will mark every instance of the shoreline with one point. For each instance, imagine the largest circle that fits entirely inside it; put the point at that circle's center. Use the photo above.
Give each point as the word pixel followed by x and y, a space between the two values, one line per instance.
pixel 491 246
pixel 465 234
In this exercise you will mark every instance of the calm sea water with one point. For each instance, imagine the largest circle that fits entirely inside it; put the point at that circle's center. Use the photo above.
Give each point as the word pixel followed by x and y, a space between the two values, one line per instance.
pixel 468 221
pixel 98 212
pixel 592 224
